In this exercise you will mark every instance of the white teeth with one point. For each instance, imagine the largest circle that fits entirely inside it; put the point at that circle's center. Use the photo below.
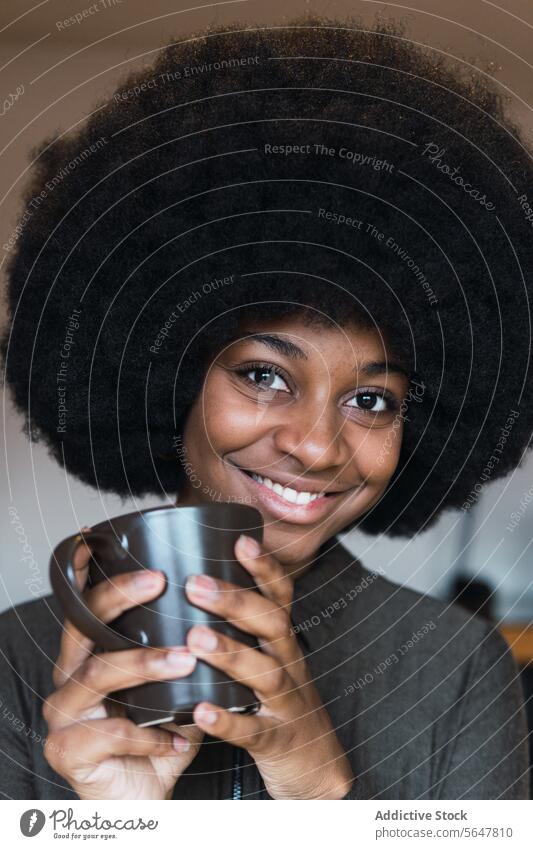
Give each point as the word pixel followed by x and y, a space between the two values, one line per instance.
pixel 287 492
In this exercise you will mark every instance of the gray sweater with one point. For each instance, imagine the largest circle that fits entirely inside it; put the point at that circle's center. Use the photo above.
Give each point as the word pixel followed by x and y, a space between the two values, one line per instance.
pixel 425 699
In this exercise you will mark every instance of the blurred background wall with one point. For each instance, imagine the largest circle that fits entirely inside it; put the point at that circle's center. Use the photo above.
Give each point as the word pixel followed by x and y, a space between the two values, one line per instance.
pixel 51 74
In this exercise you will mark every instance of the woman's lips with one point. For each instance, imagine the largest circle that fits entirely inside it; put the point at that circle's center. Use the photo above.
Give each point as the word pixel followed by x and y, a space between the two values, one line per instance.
pixel 297 513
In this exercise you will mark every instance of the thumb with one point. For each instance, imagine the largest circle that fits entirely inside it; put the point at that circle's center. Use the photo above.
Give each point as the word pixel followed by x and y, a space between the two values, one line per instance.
pixel 191 735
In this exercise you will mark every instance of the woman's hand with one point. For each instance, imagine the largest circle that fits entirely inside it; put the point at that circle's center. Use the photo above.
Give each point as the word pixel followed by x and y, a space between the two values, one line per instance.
pixel 291 737
pixel 104 756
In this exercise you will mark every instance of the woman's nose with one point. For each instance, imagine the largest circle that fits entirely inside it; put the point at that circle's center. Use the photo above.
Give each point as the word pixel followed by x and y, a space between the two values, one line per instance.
pixel 316 439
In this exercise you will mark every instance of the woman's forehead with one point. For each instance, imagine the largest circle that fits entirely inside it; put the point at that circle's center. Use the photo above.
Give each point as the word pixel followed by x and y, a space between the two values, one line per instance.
pixel 297 339
pixel 296 332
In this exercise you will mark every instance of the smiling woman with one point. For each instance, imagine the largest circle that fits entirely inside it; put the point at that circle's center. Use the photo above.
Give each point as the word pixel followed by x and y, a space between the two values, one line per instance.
pixel 307 410
pixel 234 345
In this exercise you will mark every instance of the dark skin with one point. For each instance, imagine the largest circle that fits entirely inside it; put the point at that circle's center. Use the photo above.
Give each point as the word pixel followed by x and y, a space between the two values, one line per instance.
pixel 318 424
pixel 328 420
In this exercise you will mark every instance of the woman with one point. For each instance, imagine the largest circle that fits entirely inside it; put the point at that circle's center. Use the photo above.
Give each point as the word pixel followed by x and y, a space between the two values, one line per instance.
pixel 278 268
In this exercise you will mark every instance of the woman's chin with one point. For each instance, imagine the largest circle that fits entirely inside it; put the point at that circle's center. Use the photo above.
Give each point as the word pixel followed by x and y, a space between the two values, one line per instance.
pixel 289 552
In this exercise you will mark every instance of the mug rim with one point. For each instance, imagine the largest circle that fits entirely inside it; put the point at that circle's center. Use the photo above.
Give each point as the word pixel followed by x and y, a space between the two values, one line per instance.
pixel 136 514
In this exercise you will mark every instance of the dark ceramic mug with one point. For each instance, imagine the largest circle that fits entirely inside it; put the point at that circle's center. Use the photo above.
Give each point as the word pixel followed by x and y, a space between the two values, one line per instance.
pixel 180 541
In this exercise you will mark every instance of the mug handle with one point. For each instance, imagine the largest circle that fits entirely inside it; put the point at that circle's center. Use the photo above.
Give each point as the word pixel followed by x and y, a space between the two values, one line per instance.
pixel 65 586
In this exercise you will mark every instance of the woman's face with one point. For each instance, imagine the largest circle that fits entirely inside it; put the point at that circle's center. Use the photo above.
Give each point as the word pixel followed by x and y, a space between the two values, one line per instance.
pixel 290 411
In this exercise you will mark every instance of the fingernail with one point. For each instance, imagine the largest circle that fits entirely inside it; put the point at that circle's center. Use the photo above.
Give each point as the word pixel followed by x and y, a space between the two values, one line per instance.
pixel 249 545
pixel 202 585
pixel 146 578
pixel 179 659
pixel 180 743
pixel 203 638
pixel 207 716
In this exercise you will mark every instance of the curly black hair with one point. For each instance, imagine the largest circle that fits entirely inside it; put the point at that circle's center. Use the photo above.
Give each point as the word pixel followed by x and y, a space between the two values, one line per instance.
pixel 316 167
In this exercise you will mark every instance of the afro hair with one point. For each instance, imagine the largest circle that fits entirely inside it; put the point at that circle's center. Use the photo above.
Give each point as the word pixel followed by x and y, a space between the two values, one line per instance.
pixel 316 167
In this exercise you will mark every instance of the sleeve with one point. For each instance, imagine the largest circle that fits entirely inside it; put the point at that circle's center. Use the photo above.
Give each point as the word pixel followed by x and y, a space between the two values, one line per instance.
pixel 16 773
pixel 486 753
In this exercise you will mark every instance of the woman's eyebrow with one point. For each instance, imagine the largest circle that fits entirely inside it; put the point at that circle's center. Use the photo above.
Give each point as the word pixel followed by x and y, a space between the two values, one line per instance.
pixel 373 368
pixel 289 349
pixel 275 343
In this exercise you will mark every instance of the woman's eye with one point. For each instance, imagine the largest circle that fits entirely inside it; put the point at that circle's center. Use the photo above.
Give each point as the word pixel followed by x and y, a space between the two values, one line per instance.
pixel 371 402
pixel 266 377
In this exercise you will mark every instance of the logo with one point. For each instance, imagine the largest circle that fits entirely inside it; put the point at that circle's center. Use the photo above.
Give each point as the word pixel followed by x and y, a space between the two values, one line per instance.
pixel 31 822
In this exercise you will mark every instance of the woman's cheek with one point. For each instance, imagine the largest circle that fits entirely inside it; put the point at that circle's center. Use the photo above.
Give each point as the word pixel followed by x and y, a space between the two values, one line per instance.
pixel 227 430
pixel 232 421
pixel 383 452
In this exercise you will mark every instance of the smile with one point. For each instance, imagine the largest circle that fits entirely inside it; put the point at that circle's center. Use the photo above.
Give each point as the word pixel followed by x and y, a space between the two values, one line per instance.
pixel 290 504
pixel 293 496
